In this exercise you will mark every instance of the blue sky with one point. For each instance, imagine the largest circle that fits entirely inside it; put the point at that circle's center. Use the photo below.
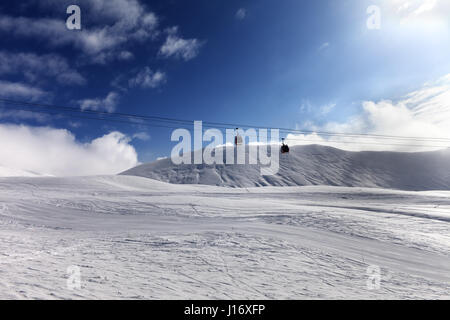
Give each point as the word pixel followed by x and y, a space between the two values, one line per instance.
pixel 291 63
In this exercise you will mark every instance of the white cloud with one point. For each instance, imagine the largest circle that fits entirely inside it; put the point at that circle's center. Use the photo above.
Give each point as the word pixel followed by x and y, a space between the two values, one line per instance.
pixel 112 25
pixel 415 7
pixel 19 115
pixel 126 55
pixel 55 32
pixel 416 11
pixel 324 46
pixel 327 108
pixel 177 47
pixel 146 78
pixel 20 90
pixel 424 113
pixel 56 152
pixel 108 104
pixel 144 136
pixel 241 14
pixel 306 106
pixel 425 6
pixel 120 82
pixel 431 103
pixel 316 111
pixel 75 124
pixel 35 67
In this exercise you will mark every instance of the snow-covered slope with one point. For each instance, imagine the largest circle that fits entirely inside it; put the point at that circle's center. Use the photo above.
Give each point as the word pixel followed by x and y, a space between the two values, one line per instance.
pixel 11 172
pixel 317 165
pixel 137 238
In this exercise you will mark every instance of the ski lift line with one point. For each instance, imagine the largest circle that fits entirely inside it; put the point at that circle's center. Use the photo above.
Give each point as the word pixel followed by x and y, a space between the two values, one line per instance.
pixel 353 135
pixel 190 124
pixel 294 139
pixel 370 143
pixel 77 110
pixel 214 124
pixel 100 119
pixel 63 113
pixel 177 127
pixel 95 112
pixel 109 114
pixel 146 124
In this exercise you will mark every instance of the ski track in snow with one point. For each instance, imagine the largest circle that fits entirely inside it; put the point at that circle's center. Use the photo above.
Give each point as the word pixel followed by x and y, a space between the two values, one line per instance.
pixel 139 238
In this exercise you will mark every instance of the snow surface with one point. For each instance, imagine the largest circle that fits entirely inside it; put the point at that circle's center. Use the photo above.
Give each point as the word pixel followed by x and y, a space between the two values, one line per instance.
pixel 317 165
pixel 11 172
pixel 138 238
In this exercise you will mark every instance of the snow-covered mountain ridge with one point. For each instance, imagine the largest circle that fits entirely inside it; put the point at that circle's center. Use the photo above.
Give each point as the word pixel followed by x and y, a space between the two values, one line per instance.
pixel 317 165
